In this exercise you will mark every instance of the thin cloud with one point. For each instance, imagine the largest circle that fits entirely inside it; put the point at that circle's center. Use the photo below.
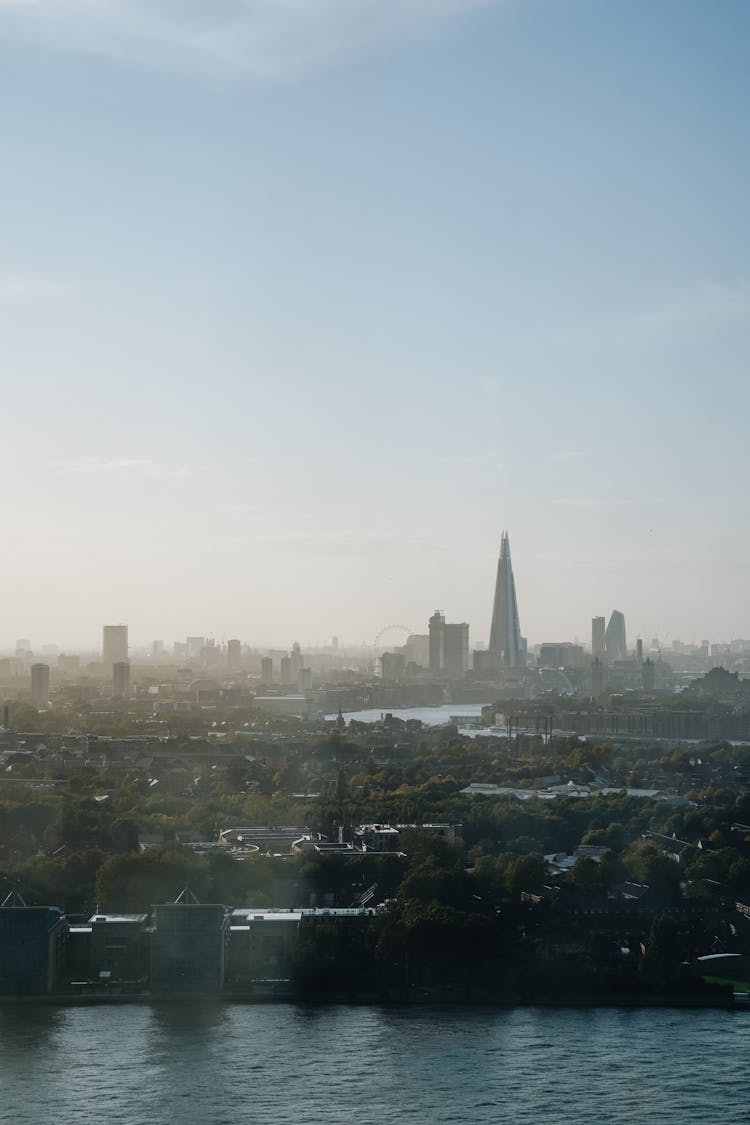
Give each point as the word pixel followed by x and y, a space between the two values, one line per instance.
pixel 364 542
pixel 118 466
pixel 261 38
pixel 698 310
pixel 705 307
pixel 567 455
pixel 587 502
pixel 16 287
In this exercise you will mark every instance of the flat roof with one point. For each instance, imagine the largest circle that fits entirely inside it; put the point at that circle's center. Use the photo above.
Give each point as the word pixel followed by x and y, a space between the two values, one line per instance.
pixel 118 918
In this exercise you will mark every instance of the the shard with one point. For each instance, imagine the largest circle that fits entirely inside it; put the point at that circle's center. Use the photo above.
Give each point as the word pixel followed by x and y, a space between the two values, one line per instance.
pixel 506 643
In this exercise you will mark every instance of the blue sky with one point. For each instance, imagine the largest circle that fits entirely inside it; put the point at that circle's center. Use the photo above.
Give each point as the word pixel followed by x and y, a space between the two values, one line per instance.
pixel 302 303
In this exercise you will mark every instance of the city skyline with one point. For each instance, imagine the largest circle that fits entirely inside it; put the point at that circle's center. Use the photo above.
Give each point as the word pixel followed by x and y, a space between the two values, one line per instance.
pixel 299 309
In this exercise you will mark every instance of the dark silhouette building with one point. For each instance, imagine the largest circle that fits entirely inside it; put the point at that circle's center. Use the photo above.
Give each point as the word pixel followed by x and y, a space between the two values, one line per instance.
pixel 32 948
pixel 188 946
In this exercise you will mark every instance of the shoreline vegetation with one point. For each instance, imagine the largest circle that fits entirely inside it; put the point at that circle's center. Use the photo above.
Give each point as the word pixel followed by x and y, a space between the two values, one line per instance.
pixel 426 866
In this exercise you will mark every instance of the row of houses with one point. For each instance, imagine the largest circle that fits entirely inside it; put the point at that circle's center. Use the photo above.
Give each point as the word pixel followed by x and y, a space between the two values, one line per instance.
pixel 184 947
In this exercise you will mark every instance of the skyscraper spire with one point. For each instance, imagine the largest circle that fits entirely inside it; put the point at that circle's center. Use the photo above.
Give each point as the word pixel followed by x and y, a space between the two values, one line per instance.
pixel 506 644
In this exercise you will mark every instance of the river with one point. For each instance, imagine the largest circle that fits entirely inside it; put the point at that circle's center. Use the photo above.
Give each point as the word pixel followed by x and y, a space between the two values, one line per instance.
pixel 221 1064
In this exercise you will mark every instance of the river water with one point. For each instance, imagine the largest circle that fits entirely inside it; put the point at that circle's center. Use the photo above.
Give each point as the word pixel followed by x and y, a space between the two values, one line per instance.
pixel 222 1064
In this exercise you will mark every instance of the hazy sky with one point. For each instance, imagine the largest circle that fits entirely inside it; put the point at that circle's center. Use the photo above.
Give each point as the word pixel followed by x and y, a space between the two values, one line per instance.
pixel 303 301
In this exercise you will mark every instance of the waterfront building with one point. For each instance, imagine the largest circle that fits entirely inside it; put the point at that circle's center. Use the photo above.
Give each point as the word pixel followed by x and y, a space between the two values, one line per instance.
pixel 32 948
pixel 188 946
pixel 114 643
pixel 507 646
pixel 118 949
pixel 40 684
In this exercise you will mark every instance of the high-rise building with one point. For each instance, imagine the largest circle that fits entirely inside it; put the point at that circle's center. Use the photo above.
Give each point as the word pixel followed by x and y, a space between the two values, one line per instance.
pixel 437 641
pixel 615 643
pixel 297 660
pixel 448 646
pixel 121 679
pixel 266 669
pixel 285 669
pixel 507 646
pixel 234 653
pixel 304 679
pixel 195 647
pixel 417 650
pixel 597 637
pixel 456 661
pixel 597 679
pixel 40 684
pixel 114 643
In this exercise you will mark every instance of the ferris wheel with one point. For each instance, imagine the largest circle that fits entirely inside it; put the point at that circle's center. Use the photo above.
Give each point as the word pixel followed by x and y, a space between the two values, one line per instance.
pixel 390 632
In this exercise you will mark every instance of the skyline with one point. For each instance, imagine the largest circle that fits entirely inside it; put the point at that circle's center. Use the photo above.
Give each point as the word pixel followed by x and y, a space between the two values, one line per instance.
pixel 297 315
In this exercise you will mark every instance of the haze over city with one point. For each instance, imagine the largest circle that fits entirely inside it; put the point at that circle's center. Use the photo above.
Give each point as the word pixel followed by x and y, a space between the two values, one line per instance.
pixel 300 309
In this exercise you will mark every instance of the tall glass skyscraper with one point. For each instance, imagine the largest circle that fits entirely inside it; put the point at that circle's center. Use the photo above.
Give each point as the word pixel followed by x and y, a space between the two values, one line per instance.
pixel 615 641
pixel 506 643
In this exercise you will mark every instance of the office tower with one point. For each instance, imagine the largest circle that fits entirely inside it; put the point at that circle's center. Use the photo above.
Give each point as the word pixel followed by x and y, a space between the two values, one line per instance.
pixel 456 649
pixel 157 649
pixel 297 661
pixel 114 643
pixel 195 647
pixel 639 650
pixel 304 679
pixel 648 674
pixel 507 647
pixel 614 637
pixel 286 670
pixel 234 653
pixel 437 641
pixel 417 650
pixel 597 679
pixel 597 637
pixel 121 679
pixel 266 669
pixel 40 684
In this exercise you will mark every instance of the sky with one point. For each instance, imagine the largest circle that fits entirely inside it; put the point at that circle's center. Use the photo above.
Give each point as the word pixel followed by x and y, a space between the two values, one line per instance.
pixel 302 302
